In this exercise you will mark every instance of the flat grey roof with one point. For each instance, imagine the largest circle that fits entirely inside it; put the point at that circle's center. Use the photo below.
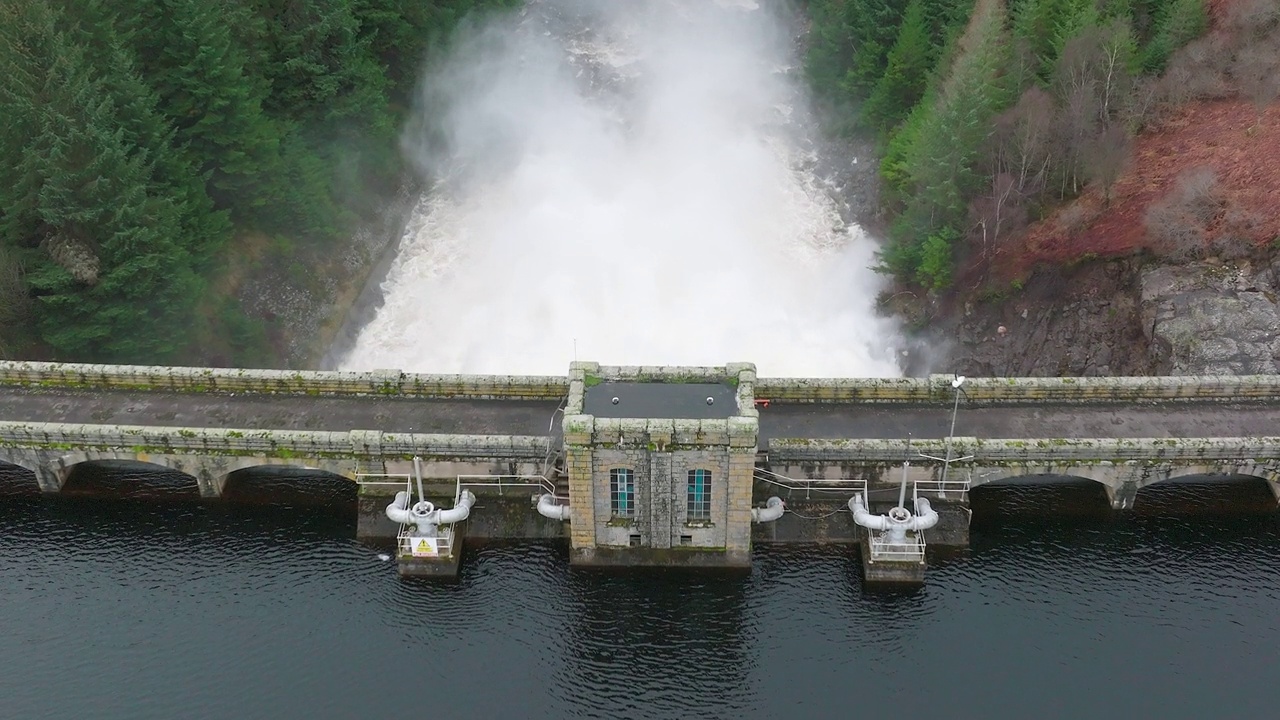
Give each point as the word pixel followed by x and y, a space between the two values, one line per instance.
pixel 682 401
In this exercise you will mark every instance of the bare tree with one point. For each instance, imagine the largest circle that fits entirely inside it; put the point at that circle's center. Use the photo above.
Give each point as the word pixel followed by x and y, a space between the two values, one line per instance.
pixel 15 302
pixel 997 214
pixel 1178 225
pixel 1251 20
pixel 1115 48
pixel 1175 86
pixel 1174 234
pixel 1074 219
pixel 1024 137
pixel 1097 61
pixel 1092 80
pixel 1143 105
pixel 1106 158
pixel 1197 193
pixel 1076 128
pixel 1258 72
pixel 1237 236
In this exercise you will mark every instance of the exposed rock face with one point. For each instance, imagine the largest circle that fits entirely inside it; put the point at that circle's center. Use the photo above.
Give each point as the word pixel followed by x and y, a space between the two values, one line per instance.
pixel 1078 322
pixel 1123 318
pixel 1209 318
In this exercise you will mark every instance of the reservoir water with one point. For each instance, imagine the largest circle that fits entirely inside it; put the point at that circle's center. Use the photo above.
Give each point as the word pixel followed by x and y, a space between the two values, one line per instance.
pixel 161 609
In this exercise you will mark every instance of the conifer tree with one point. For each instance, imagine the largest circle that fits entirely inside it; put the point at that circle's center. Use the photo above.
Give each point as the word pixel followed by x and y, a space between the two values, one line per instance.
pixel 1036 22
pixel 1176 22
pixel 903 82
pixel 942 161
pixel 320 67
pixel 114 280
pixel 874 25
pixel 401 33
pixel 187 53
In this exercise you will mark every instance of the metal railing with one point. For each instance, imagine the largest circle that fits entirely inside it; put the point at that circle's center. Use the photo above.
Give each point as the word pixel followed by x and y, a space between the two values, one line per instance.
pixel 392 479
pixel 938 489
pixel 409 547
pixel 843 486
pixel 943 489
pixel 911 550
pixel 502 482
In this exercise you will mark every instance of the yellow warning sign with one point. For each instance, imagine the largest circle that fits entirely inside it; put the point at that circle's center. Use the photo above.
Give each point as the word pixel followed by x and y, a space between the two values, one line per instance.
pixel 425 547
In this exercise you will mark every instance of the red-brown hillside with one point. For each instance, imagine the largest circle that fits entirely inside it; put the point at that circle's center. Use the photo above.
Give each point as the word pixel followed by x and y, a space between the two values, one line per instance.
pixel 1224 136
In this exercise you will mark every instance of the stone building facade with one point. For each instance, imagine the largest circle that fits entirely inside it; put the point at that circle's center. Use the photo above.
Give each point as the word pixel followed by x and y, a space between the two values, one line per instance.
pixel 660 464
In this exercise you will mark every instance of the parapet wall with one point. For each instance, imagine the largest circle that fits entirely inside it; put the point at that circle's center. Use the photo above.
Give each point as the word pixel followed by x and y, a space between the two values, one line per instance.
pixel 1005 391
pixel 394 383
pixel 994 452
pixel 272 443
pixel 293 382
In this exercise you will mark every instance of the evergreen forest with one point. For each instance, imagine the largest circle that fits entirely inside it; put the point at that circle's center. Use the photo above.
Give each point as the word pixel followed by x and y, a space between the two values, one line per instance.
pixel 142 138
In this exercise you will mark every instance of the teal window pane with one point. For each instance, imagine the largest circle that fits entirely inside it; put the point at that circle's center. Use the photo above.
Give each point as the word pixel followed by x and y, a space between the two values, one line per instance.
pixel 699 495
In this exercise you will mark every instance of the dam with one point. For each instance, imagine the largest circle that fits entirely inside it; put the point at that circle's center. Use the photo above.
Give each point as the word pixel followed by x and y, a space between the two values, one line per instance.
pixel 636 466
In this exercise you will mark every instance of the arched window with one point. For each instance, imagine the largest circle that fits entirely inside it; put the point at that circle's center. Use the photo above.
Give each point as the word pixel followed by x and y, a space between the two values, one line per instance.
pixel 699 495
pixel 622 492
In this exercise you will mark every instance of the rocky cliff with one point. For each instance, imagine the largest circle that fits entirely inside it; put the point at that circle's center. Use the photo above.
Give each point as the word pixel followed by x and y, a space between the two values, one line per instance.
pixel 1124 317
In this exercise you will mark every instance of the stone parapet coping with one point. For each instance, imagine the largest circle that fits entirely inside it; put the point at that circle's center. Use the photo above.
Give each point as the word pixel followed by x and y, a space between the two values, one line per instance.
pixel 995 451
pixel 931 390
pixel 289 382
pixel 997 391
pixel 273 443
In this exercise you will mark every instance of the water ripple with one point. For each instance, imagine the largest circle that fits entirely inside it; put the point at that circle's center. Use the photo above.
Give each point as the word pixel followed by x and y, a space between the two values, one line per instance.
pixel 157 610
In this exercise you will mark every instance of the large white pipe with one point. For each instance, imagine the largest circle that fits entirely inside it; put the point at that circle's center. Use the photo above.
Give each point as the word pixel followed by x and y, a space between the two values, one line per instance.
pixel 864 518
pixel 425 516
pixel 399 510
pixel 926 517
pixel 547 507
pixel 458 512
pixel 772 510
pixel 898 522
pixel 401 502
pixel 417 474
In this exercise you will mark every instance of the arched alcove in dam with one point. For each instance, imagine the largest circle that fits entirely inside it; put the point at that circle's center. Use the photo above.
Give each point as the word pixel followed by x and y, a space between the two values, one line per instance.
pixel 1039 495
pixel 130 479
pixel 289 485
pixel 17 481
pixel 1205 494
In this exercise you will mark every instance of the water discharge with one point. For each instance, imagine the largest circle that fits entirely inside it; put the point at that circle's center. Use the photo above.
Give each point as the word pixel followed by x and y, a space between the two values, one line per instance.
pixel 633 183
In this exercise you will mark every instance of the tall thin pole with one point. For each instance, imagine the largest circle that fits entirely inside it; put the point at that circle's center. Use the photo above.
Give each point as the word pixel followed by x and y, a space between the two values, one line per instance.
pixel 946 464
pixel 902 490
pixel 417 473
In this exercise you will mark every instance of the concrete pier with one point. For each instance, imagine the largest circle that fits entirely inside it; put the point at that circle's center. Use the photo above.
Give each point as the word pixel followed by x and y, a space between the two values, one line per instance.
pixel 444 565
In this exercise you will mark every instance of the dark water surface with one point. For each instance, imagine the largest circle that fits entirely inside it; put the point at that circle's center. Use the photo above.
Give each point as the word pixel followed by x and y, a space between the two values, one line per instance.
pixel 151 609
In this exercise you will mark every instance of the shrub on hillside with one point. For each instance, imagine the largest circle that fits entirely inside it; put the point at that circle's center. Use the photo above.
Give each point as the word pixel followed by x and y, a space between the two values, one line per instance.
pixel 1178 225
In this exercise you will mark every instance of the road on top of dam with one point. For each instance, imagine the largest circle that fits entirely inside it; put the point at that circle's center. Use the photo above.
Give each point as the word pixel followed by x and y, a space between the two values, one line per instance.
pixel 517 417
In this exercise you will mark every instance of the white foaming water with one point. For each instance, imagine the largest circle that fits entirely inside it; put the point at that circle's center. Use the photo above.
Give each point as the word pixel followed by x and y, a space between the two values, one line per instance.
pixel 629 191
